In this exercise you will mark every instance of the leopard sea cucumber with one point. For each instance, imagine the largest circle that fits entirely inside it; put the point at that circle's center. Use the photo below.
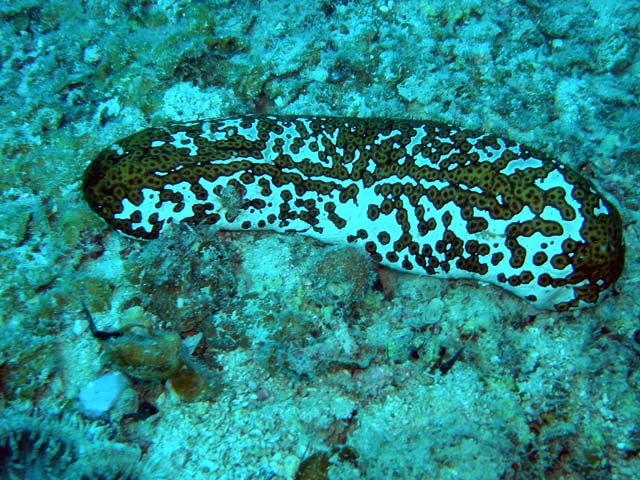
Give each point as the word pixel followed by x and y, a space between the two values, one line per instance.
pixel 418 196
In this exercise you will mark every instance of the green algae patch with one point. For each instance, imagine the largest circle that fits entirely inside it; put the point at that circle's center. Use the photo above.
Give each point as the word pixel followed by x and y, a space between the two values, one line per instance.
pixel 26 364
pixel 314 467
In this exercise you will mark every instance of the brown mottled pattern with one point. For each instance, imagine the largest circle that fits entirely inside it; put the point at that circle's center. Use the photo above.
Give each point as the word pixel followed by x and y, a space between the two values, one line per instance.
pixel 417 195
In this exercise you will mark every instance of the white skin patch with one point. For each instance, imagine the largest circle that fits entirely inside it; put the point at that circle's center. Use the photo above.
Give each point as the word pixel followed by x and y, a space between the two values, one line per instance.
pixel 380 137
pixel 117 148
pixel 601 209
pixel 521 164
pixel 151 204
pixel 181 140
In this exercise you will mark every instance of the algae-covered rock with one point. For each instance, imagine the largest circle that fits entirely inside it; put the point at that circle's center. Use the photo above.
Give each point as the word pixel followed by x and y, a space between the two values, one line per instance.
pixel 145 356
pixel 339 276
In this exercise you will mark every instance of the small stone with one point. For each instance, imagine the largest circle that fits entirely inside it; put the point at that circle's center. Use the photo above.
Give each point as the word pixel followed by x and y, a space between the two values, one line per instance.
pixel 92 54
pixel 98 396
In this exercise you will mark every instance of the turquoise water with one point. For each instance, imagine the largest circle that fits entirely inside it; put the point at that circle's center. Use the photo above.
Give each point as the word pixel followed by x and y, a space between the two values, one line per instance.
pixel 255 355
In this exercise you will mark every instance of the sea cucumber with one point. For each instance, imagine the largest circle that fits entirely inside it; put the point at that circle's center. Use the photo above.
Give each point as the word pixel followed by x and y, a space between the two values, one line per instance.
pixel 418 196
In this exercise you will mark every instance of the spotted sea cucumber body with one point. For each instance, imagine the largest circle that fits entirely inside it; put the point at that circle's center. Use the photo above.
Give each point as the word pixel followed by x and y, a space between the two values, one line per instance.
pixel 418 196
